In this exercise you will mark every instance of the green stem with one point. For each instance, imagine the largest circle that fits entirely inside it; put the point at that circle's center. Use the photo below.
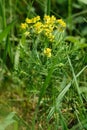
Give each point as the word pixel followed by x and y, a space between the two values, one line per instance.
pixel 48 7
pixel 70 16
pixel 4 16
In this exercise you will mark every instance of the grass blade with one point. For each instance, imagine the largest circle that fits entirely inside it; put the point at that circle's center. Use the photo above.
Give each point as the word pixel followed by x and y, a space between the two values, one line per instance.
pixel 4 33
pixel 2 13
pixel 62 120
pixel 75 80
pixel 61 95
pixel 48 7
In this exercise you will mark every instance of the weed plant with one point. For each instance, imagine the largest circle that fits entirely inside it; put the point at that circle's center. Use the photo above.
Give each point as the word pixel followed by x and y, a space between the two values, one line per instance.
pixel 43 65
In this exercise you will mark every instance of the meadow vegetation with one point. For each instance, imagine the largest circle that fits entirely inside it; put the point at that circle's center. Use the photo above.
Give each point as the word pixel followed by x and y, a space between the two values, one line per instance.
pixel 43 65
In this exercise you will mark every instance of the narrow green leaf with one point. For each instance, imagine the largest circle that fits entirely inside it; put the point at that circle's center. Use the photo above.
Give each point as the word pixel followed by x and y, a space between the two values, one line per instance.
pixel 17 55
pixel 2 13
pixel 7 121
pixel 61 96
pixel 58 100
pixel 62 120
pixel 4 33
pixel 45 85
pixel 83 1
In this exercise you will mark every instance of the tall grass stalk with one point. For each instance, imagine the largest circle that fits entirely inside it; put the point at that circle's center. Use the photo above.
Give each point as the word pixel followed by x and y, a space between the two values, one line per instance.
pixel 70 15
pixel 82 115
pixel 75 80
pixel 62 121
pixel 3 13
pixel 11 11
pixel 48 7
pixel 4 35
pixel 6 31
pixel 62 94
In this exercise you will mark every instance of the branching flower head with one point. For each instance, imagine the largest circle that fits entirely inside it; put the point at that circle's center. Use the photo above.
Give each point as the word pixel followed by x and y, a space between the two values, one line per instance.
pixel 28 21
pixel 23 26
pixel 32 20
pixel 35 19
pixel 46 28
pixel 47 52
pixel 62 25
pixel 48 19
pixel 38 27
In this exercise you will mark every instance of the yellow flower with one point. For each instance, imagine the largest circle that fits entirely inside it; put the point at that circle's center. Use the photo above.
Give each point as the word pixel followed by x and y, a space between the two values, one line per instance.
pixel 47 52
pixel 38 27
pixel 23 26
pixel 51 37
pixel 35 19
pixel 32 20
pixel 48 33
pixel 27 20
pixel 53 18
pixel 49 21
pixel 46 18
pixel 62 23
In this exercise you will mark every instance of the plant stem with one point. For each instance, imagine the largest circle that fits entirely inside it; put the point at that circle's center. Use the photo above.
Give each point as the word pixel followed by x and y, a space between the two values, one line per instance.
pixel 48 7
pixel 70 16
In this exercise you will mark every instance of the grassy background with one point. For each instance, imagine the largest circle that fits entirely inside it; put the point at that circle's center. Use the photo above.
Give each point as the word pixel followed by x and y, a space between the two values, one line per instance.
pixel 46 94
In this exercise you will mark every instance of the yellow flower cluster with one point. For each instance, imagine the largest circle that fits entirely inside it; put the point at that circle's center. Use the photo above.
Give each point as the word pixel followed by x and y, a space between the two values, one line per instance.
pixel 24 25
pixel 33 20
pixel 47 26
pixel 47 52
pixel 62 25
pixel 49 20
pixel 28 21
pixel 38 27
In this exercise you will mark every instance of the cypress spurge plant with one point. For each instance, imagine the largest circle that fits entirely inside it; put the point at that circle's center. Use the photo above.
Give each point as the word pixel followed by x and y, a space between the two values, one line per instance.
pixel 44 39
pixel 49 75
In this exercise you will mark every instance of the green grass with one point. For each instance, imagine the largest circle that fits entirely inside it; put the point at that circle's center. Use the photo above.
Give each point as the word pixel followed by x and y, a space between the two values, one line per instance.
pixel 39 90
